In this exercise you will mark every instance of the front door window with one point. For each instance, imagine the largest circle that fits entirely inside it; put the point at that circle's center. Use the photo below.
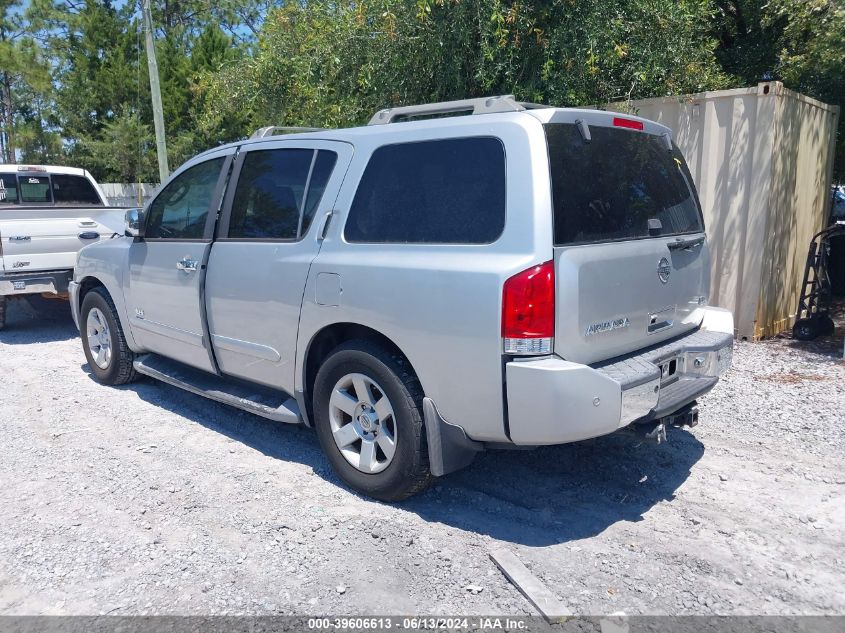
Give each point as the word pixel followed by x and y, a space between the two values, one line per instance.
pixel 180 211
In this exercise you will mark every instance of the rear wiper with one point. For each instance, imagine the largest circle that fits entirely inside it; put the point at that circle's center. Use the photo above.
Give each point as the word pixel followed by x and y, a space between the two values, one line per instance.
pixel 682 244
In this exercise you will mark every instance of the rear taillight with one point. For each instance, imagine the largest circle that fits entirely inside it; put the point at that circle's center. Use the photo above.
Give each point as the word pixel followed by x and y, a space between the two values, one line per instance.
pixel 528 311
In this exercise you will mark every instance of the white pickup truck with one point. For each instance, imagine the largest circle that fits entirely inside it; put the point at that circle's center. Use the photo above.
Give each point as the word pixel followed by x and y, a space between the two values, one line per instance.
pixel 47 214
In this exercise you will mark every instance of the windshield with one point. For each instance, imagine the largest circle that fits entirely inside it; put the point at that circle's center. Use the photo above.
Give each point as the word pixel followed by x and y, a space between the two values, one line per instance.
pixel 611 187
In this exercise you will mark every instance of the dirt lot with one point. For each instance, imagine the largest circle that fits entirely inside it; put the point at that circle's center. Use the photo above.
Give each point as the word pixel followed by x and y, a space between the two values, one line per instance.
pixel 145 499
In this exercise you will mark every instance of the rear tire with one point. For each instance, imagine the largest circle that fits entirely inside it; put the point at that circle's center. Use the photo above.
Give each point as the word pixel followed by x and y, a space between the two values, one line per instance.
pixel 368 416
pixel 3 302
pixel 103 341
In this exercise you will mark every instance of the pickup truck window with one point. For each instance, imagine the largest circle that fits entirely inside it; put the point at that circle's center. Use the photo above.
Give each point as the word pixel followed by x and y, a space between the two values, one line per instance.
pixel 35 189
pixel 180 211
pixel 69 189
pixel 277 193
pixel 8 188
pixel 609 188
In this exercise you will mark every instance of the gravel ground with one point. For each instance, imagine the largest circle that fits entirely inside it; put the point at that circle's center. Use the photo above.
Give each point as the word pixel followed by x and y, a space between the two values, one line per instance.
pixel 146 499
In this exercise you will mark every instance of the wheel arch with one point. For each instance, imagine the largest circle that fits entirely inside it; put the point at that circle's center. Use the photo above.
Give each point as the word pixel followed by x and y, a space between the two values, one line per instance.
pixel 327 339
pixel 86 285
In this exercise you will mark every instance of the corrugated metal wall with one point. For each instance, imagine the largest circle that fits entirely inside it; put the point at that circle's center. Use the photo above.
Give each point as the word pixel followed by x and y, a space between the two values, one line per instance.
pixel 761 159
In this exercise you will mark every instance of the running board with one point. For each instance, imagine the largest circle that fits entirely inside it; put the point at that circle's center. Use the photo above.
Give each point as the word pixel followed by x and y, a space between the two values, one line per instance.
pixel 268 403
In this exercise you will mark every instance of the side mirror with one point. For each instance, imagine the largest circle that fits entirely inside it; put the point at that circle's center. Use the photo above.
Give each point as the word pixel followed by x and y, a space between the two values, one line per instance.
pixel 134 223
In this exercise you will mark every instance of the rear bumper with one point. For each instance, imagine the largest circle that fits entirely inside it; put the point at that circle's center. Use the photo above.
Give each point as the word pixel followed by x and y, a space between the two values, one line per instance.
pixel 30 283
pixel 553 401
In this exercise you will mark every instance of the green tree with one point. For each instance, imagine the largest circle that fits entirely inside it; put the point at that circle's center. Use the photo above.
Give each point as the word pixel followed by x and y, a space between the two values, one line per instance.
pixel 93 48
pixel 36 137
pixel 798 42
pixel 24 74
pixel 324 63
pixel 123 151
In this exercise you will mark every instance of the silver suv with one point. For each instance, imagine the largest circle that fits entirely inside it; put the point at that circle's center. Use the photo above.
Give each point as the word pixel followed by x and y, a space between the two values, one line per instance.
pixel 421 288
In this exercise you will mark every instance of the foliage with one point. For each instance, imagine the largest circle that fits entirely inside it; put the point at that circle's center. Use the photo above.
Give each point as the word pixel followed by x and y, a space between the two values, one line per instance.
pixel 124 151
pixel 799 42
pixel 74 84
pixel 324 63
pixel 24 80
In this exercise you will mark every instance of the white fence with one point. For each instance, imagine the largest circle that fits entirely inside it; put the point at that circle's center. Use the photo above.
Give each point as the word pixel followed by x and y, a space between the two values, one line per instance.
pixel 127 194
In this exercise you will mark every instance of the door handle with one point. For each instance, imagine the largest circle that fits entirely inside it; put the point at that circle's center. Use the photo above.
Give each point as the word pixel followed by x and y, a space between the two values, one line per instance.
pixel 186 264
pixel 324 229
pixel 89 235
pixel 687 245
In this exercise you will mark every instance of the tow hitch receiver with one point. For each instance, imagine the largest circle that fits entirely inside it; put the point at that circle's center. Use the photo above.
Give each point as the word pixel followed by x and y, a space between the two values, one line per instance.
pixel 688 416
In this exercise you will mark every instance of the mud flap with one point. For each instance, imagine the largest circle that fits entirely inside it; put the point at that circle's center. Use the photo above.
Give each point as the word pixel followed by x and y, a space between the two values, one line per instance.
pixel 449 449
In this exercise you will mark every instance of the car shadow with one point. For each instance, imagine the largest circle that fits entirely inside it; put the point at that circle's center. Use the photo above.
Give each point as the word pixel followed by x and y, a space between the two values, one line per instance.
pixel 537 497
pixel 556 494
pixel 33 319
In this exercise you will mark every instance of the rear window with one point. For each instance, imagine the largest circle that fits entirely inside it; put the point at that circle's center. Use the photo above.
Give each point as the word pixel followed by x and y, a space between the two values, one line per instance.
pixel 8 188
pixel 609 188
pixel 35 189
pixel 74 190
pixel 448 191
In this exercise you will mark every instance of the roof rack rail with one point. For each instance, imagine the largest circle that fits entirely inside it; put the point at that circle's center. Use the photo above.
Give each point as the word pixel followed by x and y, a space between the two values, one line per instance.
pixel 483 105
pixel 272 130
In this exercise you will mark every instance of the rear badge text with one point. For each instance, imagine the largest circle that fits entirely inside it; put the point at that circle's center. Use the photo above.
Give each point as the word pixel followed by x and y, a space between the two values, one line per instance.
pixel 607 326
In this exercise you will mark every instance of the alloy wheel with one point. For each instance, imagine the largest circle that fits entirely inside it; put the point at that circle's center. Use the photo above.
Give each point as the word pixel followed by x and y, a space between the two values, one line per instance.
pixel 363 424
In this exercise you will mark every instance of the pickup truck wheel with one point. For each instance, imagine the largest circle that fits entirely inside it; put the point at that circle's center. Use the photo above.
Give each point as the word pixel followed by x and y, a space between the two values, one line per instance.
pixel 368 414
pixel 2 312
pixel 109 357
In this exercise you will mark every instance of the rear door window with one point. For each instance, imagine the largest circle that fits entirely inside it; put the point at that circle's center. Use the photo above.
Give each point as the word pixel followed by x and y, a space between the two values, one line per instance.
pixel 34 189
pixel 322 170
pixel 609 188
pixel 278 191
pixel 8 189
pixel 449 191
pixel 68 189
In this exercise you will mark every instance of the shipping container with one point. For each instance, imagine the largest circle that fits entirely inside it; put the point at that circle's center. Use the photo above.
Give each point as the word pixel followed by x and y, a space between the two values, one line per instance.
pixel 762 160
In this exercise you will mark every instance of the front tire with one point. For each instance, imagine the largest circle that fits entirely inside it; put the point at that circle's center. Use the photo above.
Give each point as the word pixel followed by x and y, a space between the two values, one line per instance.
pixel 103 341
pixel 3 302
pixel 368 416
